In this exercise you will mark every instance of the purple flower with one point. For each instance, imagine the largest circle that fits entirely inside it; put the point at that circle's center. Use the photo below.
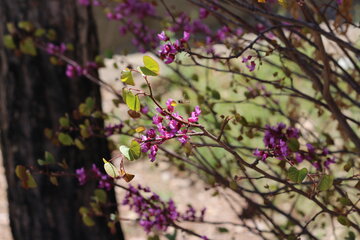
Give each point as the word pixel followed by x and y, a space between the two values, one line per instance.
pixel 186 36
pixel 203 13
pixel 153 212
pixel 329 161
pixel 81 175
pixel 170 104
pixel 163 37
pixel 153 151
pixel 157 119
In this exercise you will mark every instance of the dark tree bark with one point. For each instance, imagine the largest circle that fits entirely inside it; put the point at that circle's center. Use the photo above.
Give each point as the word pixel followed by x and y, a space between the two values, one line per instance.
pixel 33 95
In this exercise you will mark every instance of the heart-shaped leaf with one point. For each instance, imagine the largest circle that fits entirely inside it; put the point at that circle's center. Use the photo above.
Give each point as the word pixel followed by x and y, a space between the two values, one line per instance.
pixel 151 67
pixel 110 169
pixel 325 182
pixel 126 77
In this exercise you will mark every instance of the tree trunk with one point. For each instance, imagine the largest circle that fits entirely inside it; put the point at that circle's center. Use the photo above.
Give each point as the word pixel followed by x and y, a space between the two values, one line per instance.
pixel 33 95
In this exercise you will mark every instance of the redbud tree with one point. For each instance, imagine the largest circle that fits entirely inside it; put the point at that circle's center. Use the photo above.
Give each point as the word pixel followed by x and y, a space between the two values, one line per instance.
pixel 263 103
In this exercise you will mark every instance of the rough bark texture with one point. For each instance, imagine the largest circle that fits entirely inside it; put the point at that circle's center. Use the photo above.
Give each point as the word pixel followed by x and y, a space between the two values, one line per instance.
pixel 33 95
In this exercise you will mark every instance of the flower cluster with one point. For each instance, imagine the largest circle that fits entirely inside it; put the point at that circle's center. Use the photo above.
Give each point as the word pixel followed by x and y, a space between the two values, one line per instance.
pixel 54 49
pixel 170 125
pixel 314 155
pixel 154 213
pixel 276 141
pixel 83 176
pixel 169 50
pixel 282 143
pixel 250 64
pixel 78 71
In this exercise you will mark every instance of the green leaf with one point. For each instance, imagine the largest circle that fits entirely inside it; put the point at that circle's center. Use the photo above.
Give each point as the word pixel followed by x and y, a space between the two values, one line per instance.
pixel 126 77
pixel 297 175
pixel 345 201
pixel 20 172
pixel 151 67
pixel 84 131
pixel 25 25
pixel 27 46
pixel 100 195
pixel 215 94
pixel 302 175
pixel 64 121
pixel 27 180
pixel 9 42
pixel 83 210
pixel 30 183
pixel 49 159
pixel 131 100
pixel 110 169
pixel 343 220
pixel 88 221
pixel 87 107
pixel 65 139
pixel 40 32
pixel 54 180
pixel 79 144
pixel 293 144
pixel 350 236
pixel 222 230
pixel 135 149
pixel 131 153
pixel 325 182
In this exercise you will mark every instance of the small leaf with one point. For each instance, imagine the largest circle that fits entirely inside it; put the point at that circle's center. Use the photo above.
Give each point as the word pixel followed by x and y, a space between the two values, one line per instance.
pixel 87 107
pixel 84 132
pixel 54 180
pixel 88 221
pixel 131 153
pixel 79 144
pixel 83 210
pixel 140 129
pixel 25 25
pixel 293 144
pixel 297 175
pixel 100 195
pixel 64 121
pixel 49 159
pixel 326 182
pixel 27 46
pixel 40 32
pixel 151 67
pixel 30 183
pixel 128 177
pixel 350 236
pixel 9 42
pixel 302 175
pixel 126 77
pixel 65 139
pixel 134 114
pixel 293 174
pixel 110 169
pixel 215 94
pixel 343 220
pixel 345 201
pixel 135 149
pixel 132 101
pixel 27 180
pixel 20 172
pixel 222 230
